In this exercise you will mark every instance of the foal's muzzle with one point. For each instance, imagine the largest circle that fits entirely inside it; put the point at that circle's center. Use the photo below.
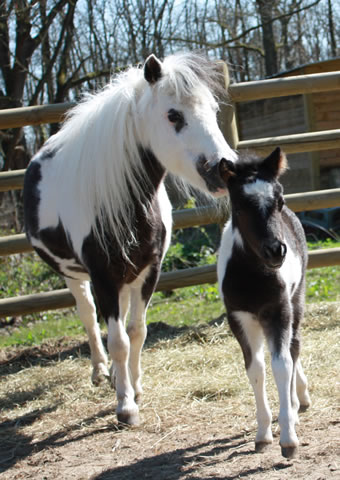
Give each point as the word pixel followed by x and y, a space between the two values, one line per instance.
pixel 274 253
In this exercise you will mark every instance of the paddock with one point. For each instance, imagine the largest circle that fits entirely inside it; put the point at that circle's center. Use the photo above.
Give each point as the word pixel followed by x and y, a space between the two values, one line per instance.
pixel 55 424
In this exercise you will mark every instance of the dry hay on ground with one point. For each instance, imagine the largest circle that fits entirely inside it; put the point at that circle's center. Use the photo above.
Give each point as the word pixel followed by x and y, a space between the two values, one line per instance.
pixel 198 417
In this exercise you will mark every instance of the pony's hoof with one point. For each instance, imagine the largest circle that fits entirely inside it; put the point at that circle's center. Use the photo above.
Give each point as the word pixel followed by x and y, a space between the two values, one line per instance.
pixel 128 419
pixel 303 408
pixel 100 374
pixel 289 452
pixel 139 398
pixel 261 447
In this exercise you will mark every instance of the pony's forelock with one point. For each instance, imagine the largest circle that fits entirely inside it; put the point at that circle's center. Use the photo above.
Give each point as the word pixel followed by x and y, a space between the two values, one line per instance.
pixel 185 72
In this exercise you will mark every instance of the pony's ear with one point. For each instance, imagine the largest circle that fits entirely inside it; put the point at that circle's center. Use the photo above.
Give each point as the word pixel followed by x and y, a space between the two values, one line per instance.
pixel 152 69
pixel 276 163
pixel 226 169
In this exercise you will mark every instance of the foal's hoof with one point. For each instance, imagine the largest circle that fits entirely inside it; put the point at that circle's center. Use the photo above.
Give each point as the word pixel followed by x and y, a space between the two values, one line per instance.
pixel 289 452
pixel 100 374
pixel 261 447
pixel 128 419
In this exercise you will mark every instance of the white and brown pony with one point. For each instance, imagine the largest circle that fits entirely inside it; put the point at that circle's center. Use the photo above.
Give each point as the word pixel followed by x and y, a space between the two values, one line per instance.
pixel 96 209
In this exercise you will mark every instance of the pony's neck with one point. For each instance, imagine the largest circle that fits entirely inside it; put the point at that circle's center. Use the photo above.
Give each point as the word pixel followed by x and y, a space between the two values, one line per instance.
pixel 154 170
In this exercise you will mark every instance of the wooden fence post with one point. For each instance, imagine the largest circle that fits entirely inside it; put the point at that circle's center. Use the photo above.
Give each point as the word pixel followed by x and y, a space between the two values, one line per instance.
pixel 227 115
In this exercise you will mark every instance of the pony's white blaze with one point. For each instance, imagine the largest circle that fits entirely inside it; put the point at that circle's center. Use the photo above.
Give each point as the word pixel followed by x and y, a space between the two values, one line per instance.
pixel 261 191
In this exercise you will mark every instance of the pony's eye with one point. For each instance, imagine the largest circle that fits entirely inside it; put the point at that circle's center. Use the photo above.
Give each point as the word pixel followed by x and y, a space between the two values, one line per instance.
pixel 177 118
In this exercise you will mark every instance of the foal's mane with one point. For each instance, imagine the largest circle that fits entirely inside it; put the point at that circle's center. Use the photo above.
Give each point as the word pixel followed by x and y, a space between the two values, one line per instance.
pixel 98 144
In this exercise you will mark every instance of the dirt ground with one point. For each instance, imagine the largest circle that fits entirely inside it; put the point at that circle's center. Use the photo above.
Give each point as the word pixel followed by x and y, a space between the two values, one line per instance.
pixel 198 419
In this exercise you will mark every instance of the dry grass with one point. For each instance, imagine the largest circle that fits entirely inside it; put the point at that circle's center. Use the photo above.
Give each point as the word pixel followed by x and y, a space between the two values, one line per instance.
pixel 197 415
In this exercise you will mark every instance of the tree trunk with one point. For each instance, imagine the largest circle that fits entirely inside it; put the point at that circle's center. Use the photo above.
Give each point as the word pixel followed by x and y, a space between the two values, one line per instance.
pixel 270 56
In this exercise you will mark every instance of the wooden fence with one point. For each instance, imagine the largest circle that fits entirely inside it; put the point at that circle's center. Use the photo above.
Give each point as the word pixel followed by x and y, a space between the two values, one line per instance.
pixel 310 141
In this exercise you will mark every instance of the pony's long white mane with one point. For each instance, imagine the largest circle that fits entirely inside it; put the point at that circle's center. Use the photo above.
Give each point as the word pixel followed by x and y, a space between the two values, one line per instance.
pixel 98 144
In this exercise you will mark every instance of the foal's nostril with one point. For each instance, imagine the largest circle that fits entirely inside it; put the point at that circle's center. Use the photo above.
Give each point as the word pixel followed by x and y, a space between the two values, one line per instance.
pixel 283 250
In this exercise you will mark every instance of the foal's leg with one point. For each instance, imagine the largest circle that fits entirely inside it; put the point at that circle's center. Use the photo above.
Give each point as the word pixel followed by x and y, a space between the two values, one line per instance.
pixel 87 314
pixel 279 340
pixel 249 334
pixel 300 384
pixel 302 387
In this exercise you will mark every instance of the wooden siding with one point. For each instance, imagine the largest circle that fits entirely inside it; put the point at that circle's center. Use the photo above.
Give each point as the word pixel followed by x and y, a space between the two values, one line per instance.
pixel 280 116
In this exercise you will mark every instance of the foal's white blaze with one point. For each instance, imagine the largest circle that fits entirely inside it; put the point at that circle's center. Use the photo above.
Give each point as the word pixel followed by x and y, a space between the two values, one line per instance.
pixel 261 191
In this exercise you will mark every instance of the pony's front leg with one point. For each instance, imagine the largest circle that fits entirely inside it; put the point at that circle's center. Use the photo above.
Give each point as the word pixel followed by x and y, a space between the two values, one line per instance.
pixel 119 348
pixel 87 313
pixel 137 334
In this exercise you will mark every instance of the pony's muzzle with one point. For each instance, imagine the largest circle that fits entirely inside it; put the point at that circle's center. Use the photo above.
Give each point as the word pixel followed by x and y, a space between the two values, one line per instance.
pixel 274 253
pixel 212 174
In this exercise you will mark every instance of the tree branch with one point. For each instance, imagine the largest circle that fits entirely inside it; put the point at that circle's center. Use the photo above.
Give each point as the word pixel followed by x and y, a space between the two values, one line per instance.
pixel 260 25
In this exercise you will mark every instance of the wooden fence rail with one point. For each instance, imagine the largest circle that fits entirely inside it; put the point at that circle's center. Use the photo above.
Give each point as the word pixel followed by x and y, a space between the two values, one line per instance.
pixel 193 217
pixel 299 142
pixel 57 299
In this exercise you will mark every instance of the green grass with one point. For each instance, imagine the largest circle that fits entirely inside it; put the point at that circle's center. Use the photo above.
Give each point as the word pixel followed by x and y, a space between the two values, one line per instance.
pixel 23 274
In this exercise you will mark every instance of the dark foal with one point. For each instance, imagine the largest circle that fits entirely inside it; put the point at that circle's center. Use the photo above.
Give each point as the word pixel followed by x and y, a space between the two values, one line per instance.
pixel 261 272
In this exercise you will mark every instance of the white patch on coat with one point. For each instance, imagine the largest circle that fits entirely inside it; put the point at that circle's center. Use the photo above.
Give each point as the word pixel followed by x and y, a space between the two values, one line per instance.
pixel 166 215
pixel 261 191
pixel 230 236
pixel 291 270
pixel 66 265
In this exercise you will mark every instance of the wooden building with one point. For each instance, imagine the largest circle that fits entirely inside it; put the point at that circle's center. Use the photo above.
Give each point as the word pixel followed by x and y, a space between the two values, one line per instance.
pixel 298 114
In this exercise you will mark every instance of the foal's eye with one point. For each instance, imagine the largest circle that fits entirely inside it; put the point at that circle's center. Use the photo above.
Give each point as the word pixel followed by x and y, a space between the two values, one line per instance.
pixel 177 118
pixel 280 203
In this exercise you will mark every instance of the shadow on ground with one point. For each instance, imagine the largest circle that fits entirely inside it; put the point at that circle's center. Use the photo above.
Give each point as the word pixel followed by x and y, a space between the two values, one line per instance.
pixel 188 462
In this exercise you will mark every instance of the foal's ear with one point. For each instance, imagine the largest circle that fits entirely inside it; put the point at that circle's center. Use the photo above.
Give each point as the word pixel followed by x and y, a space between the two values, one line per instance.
pixel 226 169
pixel 276 163
pixel 152 69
